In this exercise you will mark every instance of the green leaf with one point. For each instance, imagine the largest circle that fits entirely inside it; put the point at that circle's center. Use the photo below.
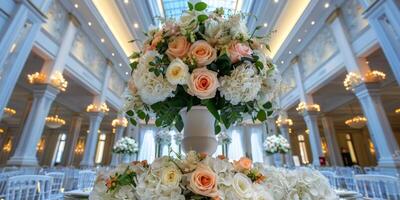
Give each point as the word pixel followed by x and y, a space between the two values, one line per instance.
pixel 202 18
pixel 158 122
pixel 190 5
pixel 179 123
pixel 141 114
pixel 133 121
pixel 200 6
pixel 130 113
pixel 134 65
pixel 147 118
pixel 269 113
pixel 268 105
pixel 211 107
pixel 217 127
pixel 261 115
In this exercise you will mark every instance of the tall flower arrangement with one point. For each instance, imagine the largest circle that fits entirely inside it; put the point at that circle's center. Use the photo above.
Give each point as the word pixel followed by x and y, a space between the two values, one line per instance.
pixel 276 144
pixel 126 146
pixel 204 58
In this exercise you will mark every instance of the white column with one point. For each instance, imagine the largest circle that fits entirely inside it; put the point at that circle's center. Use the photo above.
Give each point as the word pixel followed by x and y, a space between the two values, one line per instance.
pixel 311 119
pixel 271 130
pixel 384 18
pixel 16 44
pixel 335 157
pixel 285 133
pixel 72 139
pixel 25 153
pixel 378 125
pixel 119 132
pixel 63 50
pixel 299 82
pixel 91 139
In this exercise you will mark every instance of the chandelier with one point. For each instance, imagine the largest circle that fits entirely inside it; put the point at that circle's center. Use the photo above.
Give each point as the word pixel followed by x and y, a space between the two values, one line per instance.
pixel 58 81
pixel 397 111
pixel 94 108
pixel 356 122
pixel 8 112
pixel 121 122
pixel 1 131
pixel 54 122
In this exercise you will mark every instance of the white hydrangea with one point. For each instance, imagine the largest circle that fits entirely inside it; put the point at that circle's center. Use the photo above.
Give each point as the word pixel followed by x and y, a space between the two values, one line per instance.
pixel 270 86
pixel 276 144
pixel 242 85
pixel 126 145
pixel 238 28
pixel 151 88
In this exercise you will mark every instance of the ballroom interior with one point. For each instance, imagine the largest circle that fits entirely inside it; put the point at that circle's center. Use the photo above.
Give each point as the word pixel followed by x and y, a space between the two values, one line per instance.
pixel 64 67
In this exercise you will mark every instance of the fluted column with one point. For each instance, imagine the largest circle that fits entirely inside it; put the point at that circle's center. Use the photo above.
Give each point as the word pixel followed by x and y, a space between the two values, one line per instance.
pixel 119 133
pixel 25 153
pixel 284 128
pixel 311 119
pixel 72 139
pixel 384 18
pixel 378 124
pixel 334 153
pixel 91 139
pixel 16 44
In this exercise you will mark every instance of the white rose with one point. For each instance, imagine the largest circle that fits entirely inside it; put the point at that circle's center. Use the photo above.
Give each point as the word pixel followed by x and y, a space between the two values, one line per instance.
pixel 125 192
pixel 177 72
pixel 171 176
pixel 242 186
pixel 239 31
pixel 261 194
pixel 149 56
pixel 188 21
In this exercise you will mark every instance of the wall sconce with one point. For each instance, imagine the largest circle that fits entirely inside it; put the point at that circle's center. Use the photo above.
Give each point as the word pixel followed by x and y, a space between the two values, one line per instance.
pixel 302 107
pixel 9 112
pixel 37 78
pixel 8 146
pixel 80 147
pixel 93 108
pixel 120 122
pixel 352 79
pixel 40 145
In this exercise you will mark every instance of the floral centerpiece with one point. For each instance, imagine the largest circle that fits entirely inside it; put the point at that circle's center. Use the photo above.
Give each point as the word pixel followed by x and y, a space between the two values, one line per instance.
pixel 276 144
pixel 125 146
pixel 204 59
pixel 198 176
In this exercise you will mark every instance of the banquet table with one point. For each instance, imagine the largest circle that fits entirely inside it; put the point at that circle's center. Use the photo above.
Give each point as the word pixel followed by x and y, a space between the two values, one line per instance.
pixel 77 194
pixel 348 195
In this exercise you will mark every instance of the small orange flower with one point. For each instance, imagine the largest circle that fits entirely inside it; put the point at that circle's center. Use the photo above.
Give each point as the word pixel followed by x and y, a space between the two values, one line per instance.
pixel 221 157
pixel 203 155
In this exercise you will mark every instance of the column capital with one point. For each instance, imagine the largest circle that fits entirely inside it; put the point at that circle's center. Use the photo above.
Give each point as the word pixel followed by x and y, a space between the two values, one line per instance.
pixel 333 16
pixel 47 90
pixel 310 113
pixel 364 89
pixel 74 20
pixel 295 60
pixel 94 115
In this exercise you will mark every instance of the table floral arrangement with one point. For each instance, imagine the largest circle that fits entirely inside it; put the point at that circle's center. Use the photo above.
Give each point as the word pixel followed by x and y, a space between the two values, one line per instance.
pixel 204 58
pixel 163 137
pixel 198 176
pixel 276 144
pixel 126 146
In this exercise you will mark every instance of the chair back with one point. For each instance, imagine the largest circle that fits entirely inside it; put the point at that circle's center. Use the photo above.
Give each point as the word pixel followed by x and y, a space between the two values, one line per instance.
pixel 331 178
pixel 378 186
pixel 3 181
pixel 29 187
pixel 58 182
pixel 86 179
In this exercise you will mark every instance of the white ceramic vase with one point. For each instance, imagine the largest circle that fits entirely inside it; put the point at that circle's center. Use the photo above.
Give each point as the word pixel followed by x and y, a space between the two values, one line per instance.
pixel 124 158
pixel 198 133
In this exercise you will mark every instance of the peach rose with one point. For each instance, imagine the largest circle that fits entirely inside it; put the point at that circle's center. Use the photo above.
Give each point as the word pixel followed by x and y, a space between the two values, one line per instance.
pixel 203 53
pixel 203 83
pixel 238 50
pixel 242 164
pixel 203 181
pixel 132 86
pixel 178 48
pixel 156 39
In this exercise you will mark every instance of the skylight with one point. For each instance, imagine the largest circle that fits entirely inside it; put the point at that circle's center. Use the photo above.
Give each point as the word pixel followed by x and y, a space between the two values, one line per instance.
pixel 174 8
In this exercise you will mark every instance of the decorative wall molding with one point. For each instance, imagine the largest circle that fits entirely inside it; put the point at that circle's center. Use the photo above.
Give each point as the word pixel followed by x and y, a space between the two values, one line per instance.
pixel 353 17
pixel 57 21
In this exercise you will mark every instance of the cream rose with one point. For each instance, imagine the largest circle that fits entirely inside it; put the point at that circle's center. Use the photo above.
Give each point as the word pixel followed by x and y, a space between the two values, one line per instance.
pixel 203 83
pixel 188 21
pixel 242 164
pixel 242 186
pixel 177 72
pixel 171 176
pixel 203 53
pixel 203 181
pixel 238 50
pixel 178 48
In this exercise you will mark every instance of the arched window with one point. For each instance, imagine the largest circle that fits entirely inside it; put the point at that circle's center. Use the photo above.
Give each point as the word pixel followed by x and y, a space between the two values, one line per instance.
pixel 351 148
pixel 100 148
pixel 303 149
pixel 256 145
pixel 235 151
pixel 60 148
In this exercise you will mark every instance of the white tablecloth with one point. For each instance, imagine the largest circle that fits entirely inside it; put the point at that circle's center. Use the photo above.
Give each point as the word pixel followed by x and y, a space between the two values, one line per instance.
pixel 77 194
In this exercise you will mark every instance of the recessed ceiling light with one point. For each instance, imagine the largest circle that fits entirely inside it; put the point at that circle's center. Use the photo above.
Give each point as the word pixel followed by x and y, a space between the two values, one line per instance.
pixel 136 25
pixel 102 40
pixel 113 54
pixel 126 73
pixel 89 23
pixel 76 5
pixel 126 1
pixel 299 40
pixel 265 24
pixel 367 62
pixel 282 61
pixel 290 52
pixel 312 22
pixel 326 5
pixel 120 64
pixel 276 1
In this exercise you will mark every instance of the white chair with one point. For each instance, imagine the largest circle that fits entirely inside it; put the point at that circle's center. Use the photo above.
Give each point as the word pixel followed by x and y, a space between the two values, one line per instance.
pixel 86 179
pixel 3 181
pixel 29 187
pixel 57 186
pixel 331 178
pixel 378 186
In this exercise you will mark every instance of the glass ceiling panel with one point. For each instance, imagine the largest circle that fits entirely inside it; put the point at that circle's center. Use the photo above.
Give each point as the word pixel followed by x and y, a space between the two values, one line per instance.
pixel 174 8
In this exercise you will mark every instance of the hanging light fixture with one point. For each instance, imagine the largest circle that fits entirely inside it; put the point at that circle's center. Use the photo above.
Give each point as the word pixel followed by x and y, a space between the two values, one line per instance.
pixel 54 122
pixel 122 122
pixel 397 111
pixel 1 131
pixel 356 122
pixel 9 112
